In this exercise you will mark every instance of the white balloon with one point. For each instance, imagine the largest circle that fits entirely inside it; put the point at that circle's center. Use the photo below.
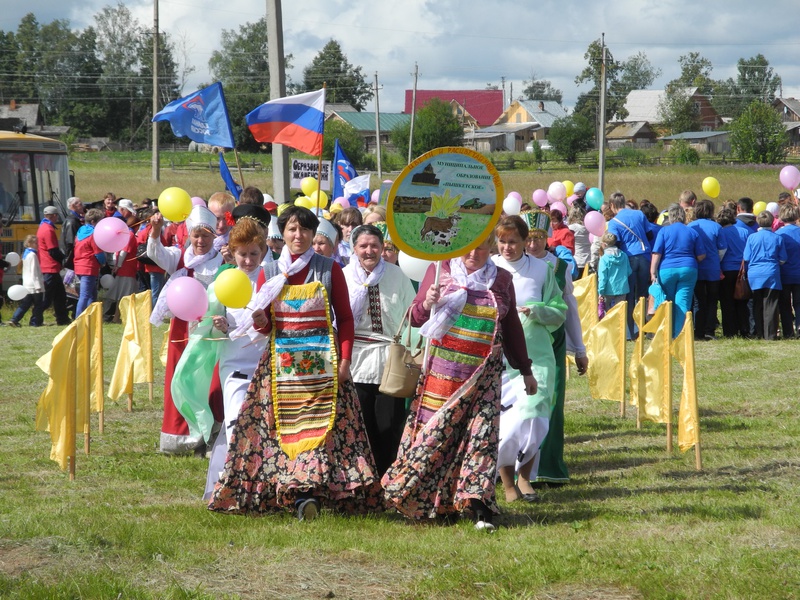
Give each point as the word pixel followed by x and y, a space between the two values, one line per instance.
pixel 557 191
pixel 511 206
pixel 414 268
pixel 268 198
pixel 106 281
pixel 17 293
pixel 12 258
pixel 772 207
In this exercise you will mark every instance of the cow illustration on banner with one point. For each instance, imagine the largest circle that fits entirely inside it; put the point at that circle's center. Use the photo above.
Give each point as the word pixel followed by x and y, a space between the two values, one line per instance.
pixel 444 204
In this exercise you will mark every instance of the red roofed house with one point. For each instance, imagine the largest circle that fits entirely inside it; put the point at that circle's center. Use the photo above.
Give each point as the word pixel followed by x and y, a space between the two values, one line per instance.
pixel 474 108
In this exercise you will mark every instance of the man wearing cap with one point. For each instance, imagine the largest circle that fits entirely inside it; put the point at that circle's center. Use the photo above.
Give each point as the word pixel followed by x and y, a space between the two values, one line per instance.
pixel 126 209
pixel 73 222
pixel 50 259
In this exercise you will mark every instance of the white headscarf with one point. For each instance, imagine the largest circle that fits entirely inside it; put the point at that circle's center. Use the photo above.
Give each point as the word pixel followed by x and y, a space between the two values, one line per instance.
pixel 359 292
pixel 452 302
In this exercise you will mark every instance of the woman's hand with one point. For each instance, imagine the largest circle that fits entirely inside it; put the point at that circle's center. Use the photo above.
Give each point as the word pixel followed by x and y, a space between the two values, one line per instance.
pixel 524 310
pixel 156 223
pixel 260 320
pixel 582 363
pixel 227 256
pixel 221 323
pixel 653 277
pixel 530 384
pixel 431 297
pixel 344 371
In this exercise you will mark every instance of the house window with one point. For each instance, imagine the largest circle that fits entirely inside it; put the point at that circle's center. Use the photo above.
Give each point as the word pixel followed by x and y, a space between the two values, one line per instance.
pixel 518 118
pixel 697 107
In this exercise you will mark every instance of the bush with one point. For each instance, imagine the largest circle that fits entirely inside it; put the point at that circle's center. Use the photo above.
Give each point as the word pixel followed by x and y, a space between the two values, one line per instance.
pixel 683 154
pixel 630 155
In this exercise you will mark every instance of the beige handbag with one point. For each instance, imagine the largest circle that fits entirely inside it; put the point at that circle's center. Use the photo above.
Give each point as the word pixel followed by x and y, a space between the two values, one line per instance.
pixel 403 365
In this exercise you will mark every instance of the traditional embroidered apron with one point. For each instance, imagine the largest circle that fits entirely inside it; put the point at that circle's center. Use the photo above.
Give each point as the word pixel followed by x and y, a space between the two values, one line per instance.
pixel 304 367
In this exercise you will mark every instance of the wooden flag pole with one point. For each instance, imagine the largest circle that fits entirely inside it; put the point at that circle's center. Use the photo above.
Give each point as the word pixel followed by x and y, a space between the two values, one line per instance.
pixel 668 377
pixel 130 394
pixel 623 371
pixel 319 163
pixel 239 166
pixel 101 422
pixel 150 390
pixel 433 312
pixel 638 347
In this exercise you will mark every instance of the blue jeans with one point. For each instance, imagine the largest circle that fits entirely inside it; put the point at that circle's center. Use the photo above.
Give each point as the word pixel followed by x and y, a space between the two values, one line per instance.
pixel 678 285
pixel 156 283
pixel 88 293
pixel 638 285
pixel 37 302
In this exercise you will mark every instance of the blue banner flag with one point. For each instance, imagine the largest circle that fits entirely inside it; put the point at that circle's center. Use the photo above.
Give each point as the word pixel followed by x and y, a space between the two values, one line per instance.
pixel 201 116
pixel 230 185
pixel 343 170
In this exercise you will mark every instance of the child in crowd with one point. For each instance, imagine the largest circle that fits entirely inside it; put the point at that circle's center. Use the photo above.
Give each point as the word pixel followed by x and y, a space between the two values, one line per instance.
pixel 33 281
pixel 348 219
pixel 764 253
pixel 221 204
pixel 88 259
pixel 612 272
pixel 562 235
pixel 124 266
pixel 274 239
pixel 238 357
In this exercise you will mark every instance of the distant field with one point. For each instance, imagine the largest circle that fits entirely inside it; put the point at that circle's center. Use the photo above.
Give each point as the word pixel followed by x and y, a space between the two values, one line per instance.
pixel 129 175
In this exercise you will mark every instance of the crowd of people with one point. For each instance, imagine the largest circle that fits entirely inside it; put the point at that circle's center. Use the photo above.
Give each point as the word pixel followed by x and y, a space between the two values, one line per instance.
pixel 284 395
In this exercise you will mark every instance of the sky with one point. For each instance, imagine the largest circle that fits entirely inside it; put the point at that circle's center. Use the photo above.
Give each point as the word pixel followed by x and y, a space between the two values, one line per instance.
pixel 467 44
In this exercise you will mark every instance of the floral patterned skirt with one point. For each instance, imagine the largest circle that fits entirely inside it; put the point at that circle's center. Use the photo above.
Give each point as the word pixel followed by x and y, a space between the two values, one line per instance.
pixel 452 459
pixel 259 477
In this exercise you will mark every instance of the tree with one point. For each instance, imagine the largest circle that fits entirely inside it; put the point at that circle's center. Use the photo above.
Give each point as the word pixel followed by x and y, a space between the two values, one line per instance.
pixel 677 111
pixel 345 83
pixel 758 135
pixel 540 89
pixel 349 139
pixel 570 136
pixel 755 80
pixel 636 73
pixel 695 72
pixel 28 57
pixel 242 67
pixel 435 126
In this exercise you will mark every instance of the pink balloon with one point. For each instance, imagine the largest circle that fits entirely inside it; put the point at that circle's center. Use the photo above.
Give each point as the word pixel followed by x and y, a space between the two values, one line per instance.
pixel 559 206
pixel 540 198
pixel 557 191
pixel 572 199
pixel 595 223
pixel 790 177
pixel 198 201
pixel 592 238
pixel 187 299
pixel 111 234
pixel 376 196
pixel 516 195
pixel 388 181
pixel 341 201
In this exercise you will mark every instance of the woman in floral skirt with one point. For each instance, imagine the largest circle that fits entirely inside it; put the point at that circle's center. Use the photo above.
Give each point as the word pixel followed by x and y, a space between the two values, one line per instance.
pixel 299 441
pixel 447 461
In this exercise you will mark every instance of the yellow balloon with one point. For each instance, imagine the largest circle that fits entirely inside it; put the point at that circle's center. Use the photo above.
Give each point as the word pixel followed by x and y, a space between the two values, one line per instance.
pixel 305 202
pixel 233 288
pixel 711 187
pixel 283 207
pixel 570 187
pixel 175 204
pixel 309 185
pixel 759 207
pixel 319 199
pixel 336 208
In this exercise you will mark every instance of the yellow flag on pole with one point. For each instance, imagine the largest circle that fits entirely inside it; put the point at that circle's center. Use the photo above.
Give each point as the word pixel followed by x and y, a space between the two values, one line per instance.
pixel 655 368
pixel 606 352
pixel 637 393
pixel 585 291
pixel 135 357
pixel 55 411
pixel 688 412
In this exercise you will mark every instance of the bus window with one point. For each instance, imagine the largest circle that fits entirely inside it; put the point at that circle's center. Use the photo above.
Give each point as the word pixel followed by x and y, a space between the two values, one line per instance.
pixel 16 185
pixel 52 181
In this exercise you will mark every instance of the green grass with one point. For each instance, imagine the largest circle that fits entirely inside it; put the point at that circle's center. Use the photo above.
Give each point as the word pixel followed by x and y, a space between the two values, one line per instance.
pixel 635 522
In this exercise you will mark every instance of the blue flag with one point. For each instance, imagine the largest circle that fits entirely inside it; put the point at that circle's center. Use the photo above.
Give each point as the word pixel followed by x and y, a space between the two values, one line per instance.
pixel 201 116
pixel 343 170
pixel 230 185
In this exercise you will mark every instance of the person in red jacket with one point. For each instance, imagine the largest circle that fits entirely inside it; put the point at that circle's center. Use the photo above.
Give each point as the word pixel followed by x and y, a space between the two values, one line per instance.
pixel 50 258
pixel 88 260
pixel 562 235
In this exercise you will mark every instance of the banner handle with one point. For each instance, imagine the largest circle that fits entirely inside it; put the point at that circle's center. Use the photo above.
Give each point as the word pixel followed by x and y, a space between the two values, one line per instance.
pixel 433 312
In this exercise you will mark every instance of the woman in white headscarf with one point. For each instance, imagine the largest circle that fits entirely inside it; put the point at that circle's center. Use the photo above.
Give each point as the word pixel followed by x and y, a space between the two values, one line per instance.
pixel 380 294
pixel 447 462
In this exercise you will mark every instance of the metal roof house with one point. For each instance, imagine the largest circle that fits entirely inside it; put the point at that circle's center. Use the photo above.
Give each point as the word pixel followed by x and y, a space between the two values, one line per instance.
pixel 643 105
pixel 541 113
pixel 364 124
pixel 712 142
pixel 478 108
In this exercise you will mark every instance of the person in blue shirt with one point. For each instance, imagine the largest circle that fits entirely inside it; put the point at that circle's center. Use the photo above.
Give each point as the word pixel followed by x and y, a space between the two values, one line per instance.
pixel 613 271
pixel 735 313
pixel 631 228
pixel 709 273
pixel 676 253
pixel 650 213
pixel 764 253
pixel 744 214
pixel 789 303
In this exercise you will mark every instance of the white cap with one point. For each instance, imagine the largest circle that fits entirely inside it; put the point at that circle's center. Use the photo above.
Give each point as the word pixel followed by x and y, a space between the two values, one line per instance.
pixel 50 210
pixel 201 217
pixel 579 187
pixel 127 205
pixel 325 228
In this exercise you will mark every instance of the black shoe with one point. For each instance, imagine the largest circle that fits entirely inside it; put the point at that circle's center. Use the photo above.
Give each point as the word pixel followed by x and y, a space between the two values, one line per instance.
pixel 308 509
pixel 534 497
pixel 14 324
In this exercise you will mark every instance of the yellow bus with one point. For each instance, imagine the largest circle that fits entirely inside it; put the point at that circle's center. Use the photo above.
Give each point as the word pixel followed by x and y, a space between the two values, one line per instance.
pixel 34 173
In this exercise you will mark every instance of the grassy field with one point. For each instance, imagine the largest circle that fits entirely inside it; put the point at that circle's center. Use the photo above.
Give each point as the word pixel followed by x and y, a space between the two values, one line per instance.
pixel 635 521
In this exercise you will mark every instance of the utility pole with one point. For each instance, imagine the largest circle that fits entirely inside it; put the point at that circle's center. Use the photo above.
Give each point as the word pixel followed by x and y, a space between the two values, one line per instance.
pixel 277 89
pixel 378 128
pixel 503 82
pixel 602 133
pixel 413 112
pixel 156 174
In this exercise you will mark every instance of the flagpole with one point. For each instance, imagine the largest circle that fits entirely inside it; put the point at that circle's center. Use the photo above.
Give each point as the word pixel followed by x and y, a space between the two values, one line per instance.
pixel 239 166
pixel 433 312
pixel 319 164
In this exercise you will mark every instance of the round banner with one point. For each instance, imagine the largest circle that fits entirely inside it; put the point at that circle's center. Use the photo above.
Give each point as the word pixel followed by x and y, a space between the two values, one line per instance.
pixel 444 204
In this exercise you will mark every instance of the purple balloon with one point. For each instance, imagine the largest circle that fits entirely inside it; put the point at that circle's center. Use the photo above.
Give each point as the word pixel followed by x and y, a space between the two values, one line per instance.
pixel 790 177
pixel 198 201
pixel 111 234
pixel 187 298
pixel 595 223
pixel 540 198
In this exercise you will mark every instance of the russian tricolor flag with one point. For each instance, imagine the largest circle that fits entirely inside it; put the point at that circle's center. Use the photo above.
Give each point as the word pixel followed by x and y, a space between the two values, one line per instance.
pixel 296 121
